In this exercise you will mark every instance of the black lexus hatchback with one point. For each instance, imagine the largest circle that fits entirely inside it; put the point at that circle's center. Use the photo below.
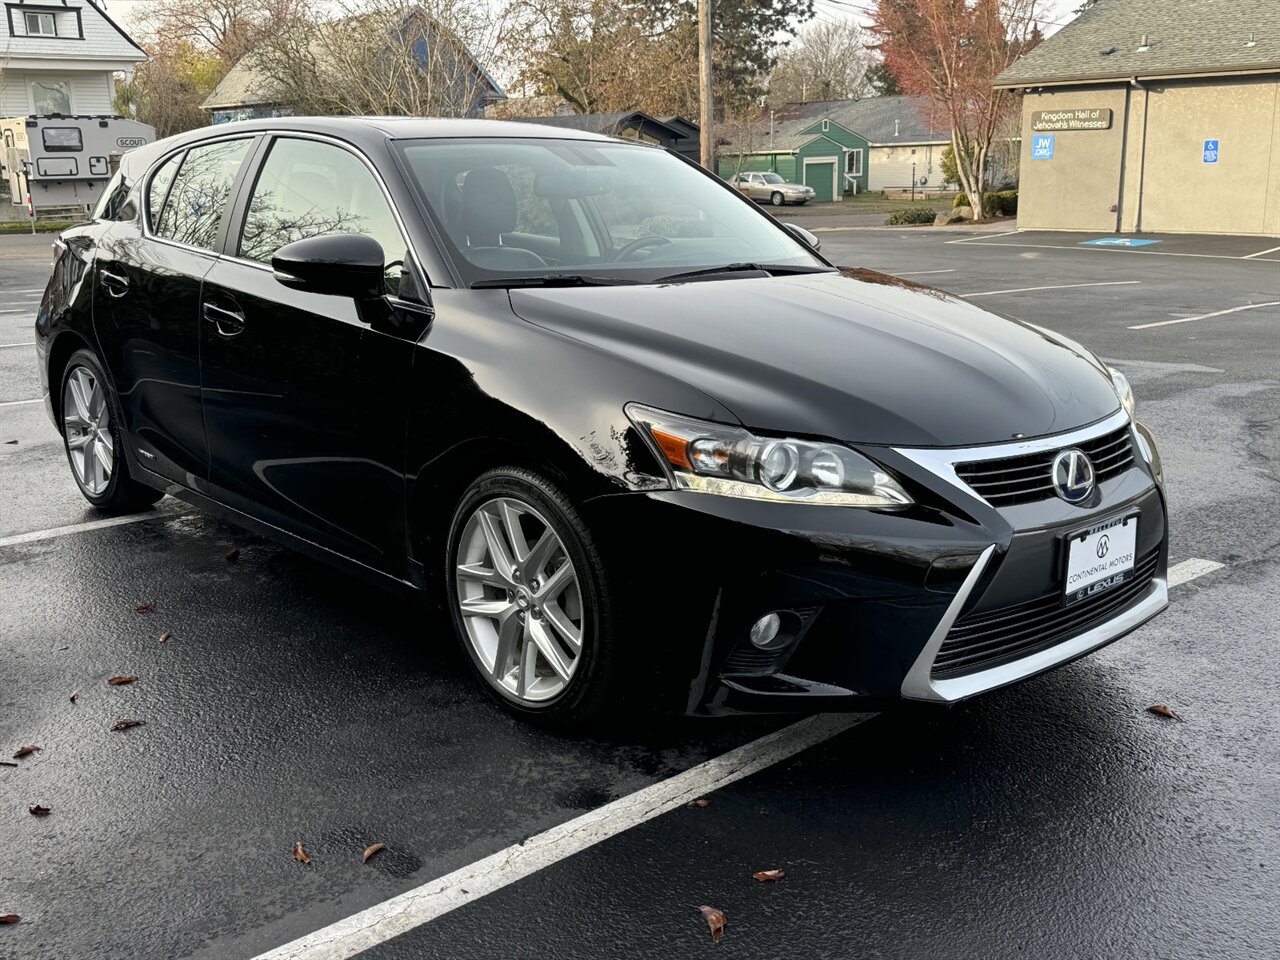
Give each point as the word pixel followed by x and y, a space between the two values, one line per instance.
pixel 641 441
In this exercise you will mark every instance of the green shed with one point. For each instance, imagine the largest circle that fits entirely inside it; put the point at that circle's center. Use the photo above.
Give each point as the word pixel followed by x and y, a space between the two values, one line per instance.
pixel 850 159
pixel 820 154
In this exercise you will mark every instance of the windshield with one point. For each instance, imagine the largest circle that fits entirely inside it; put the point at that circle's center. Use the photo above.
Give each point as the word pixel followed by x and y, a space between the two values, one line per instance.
pixel 773 178
pixel 596 210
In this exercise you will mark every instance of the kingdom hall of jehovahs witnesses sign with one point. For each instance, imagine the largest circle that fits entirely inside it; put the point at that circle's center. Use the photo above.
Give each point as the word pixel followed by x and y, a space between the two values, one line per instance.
pixel 1083 119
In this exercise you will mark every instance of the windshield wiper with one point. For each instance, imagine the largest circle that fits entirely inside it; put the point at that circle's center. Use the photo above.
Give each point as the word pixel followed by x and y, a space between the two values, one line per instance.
pixel 772 269
pixel 551 280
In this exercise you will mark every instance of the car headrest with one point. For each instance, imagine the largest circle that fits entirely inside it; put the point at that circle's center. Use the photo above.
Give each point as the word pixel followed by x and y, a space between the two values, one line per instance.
pixel 488 206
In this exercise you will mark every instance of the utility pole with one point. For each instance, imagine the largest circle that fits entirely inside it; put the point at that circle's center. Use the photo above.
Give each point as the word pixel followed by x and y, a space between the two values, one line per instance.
pixel 705 116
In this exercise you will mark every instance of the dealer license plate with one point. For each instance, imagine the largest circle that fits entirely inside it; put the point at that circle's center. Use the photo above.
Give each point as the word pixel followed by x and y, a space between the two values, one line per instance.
pixel 1100 558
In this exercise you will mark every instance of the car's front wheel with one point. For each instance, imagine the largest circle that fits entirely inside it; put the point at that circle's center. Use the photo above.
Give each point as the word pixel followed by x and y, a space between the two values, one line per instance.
pixel 529 597
pixel 93 439
pixel 777 199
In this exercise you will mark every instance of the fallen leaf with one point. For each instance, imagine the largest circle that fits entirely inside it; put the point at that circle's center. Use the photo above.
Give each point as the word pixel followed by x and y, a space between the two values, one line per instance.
pixel 699 803
pixel 145 608
pixel 1162 711
pixel 74 695
pixel 716 921
pixel 166 637
pixel 25 752
pixel 126 724
pixel 299 854
pixel 9 918
pixel 233 555
pixel 766 875
pixel 373 851
pixel 39 811
pixel 121 681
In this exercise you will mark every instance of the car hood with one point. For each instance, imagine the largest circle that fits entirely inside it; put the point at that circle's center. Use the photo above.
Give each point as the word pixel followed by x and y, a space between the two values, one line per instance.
pixel 873 360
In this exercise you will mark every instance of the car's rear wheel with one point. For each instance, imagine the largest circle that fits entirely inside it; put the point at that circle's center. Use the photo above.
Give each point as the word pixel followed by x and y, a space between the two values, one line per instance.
pixel 777 199
pixel 529 598
pixel 93 439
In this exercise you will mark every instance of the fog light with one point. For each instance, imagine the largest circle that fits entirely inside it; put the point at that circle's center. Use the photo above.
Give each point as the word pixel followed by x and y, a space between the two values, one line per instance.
pixel 765 630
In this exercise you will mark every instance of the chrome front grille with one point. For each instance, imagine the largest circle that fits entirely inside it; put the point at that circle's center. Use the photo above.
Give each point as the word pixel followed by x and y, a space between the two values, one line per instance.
pixel 1029 477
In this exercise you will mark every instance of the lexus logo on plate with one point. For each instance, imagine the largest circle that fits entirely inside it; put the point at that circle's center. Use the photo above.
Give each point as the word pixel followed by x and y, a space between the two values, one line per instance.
pixel 1073 476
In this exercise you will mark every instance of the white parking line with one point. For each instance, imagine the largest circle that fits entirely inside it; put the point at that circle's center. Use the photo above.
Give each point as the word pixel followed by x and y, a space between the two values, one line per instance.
pixel 166 508
pixel 1260 253
pixel 19 403
pixel 918 273
pixel 1060 286
pixel 383 921
pixel 1191 568
pixel 983 236
pixel 25 290
pixel 5 346
pixel 388 919
pixel 1205 316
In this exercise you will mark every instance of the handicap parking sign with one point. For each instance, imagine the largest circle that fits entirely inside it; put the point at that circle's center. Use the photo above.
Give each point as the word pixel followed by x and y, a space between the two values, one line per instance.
pixel 1042 147
pixel 1211 151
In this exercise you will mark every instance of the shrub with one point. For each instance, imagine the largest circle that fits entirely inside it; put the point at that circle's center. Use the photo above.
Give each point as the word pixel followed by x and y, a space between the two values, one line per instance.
pixel 908 215
pixel 1002 203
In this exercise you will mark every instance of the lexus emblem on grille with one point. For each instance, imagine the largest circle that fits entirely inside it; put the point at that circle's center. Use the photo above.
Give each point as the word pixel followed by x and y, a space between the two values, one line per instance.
pixel 1072 476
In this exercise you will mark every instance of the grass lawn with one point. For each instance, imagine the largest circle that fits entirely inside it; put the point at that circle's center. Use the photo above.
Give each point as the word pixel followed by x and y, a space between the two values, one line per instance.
pixel 42 226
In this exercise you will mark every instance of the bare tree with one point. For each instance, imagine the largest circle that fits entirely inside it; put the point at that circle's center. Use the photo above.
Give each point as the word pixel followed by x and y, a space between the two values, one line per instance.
pixel 952 50
pixel 744 133
pixel 829 61
pixel 601 56
pixel 356 57
pixel 227 28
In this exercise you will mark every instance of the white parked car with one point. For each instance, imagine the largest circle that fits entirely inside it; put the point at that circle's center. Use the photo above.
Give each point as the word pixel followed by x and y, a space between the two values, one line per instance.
pixel 772 188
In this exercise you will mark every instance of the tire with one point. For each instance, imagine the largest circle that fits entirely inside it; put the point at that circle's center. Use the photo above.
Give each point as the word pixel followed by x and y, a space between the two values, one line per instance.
pixel 91 436
pixel 510 613
pixel 777 199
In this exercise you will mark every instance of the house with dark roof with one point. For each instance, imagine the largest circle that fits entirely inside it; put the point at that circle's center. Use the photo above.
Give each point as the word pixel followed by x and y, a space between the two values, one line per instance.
pixel 1153 116
pixel 674 133
pixel 61 58
pixel 246 93
pixel 877 143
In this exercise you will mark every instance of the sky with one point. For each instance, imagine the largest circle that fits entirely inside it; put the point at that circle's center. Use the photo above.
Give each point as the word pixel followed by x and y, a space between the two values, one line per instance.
pixel 1053 13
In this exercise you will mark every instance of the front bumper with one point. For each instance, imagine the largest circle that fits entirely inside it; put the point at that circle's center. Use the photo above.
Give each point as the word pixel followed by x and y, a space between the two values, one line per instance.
pixel 872 597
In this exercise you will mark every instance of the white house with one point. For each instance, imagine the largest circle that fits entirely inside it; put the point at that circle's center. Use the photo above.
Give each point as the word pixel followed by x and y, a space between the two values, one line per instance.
pixel 60 56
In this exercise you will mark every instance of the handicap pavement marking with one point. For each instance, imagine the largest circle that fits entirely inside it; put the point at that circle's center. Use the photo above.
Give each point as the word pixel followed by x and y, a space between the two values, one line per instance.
pixel 1117 242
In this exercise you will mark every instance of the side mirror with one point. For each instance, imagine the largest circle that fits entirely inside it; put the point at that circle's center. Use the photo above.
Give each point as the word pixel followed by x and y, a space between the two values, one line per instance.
pixel 804 236
pixel 338 264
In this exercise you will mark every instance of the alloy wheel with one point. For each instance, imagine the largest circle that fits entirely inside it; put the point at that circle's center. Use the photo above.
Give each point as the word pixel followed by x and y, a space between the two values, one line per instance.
pixel 520 600
pixel 86 422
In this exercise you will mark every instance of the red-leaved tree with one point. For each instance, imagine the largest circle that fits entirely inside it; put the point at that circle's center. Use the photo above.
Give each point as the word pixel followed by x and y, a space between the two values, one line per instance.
pixel 952 50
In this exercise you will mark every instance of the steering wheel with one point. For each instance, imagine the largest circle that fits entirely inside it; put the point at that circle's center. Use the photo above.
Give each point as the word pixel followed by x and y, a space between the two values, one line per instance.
pixel 636 245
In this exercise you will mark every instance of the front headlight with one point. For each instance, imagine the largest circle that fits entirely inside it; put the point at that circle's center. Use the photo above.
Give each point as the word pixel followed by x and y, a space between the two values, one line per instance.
pixel 730 461
pixel 1123 390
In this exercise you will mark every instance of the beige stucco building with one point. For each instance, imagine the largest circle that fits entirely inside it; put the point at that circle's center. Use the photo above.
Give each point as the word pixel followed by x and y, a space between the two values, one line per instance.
pixel 1156 116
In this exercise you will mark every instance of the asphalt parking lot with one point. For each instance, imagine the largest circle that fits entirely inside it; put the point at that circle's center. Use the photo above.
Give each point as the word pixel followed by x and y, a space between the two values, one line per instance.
pixel 290 703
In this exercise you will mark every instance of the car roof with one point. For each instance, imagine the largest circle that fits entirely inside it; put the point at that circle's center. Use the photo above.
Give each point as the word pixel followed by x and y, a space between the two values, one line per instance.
pixel 365 130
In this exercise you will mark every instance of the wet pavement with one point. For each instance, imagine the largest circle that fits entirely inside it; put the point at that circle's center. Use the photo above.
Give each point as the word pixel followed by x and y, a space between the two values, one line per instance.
pixel 1058 818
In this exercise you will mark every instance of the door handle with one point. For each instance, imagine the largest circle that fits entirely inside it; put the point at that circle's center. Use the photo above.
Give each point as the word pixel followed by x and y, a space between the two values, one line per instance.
pixel 227 322
pixel 116 285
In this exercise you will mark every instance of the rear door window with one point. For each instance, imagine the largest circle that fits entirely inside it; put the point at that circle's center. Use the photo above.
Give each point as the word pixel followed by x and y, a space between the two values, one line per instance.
pixel 193 211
